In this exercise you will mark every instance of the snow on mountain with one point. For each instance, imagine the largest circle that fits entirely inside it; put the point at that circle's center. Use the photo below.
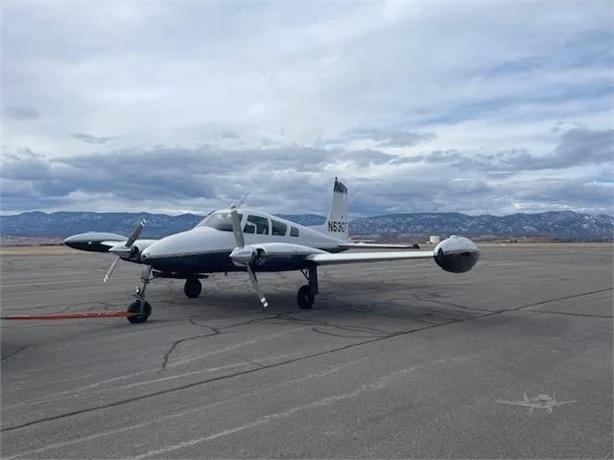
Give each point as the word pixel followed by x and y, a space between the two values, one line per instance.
pixel 562 225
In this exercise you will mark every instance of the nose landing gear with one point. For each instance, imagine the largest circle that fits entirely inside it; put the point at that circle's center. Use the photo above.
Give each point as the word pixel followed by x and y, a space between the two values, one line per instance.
pixel 140 309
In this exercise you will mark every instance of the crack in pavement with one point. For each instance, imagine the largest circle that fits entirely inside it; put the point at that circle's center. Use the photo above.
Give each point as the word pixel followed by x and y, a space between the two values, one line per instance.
pixel 347 336
pixel 186 386
pixel 285 318
pixel 13 353
pixel 566 313
pixel 435 299
pixel 255 363
pixel 176 343
pixel 248 394
pixel 215 331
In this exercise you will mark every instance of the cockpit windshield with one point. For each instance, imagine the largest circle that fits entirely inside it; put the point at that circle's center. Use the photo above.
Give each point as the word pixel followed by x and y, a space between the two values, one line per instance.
pixel 220 220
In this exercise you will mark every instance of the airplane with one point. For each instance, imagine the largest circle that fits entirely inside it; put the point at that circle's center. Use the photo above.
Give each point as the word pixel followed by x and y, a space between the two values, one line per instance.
pixel 541 401
pixel 244 239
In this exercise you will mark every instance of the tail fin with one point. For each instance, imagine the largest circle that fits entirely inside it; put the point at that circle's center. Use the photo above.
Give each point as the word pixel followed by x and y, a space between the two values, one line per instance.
pixel 337 222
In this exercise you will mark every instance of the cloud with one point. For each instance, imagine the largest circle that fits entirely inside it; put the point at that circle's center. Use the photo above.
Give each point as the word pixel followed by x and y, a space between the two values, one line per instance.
pixel 576 147
pixel 316 71
pixel 418 106
pixel 21 113
pixel 297 179
pixel 576 195
pixel 389 137
pixel 89 139
pixel 167 174
pixel 581 146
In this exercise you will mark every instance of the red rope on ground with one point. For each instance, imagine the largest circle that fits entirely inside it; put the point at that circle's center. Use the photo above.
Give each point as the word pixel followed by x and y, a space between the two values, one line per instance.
pixel 71 315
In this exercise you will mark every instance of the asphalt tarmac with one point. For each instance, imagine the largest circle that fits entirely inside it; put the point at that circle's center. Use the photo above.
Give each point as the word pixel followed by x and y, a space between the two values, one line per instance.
pixel 395 360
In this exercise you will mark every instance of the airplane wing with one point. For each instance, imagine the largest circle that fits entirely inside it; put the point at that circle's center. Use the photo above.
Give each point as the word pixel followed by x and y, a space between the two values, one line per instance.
pixel 379 245
pixel 362 257
pixel 455 254
pixel 102 242
pixel 560 403
pixel 516 403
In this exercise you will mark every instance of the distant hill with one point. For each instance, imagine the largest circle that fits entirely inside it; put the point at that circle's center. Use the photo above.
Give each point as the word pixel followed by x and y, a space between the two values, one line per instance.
pixel 304 219
pixel 62 224
pixel 565 225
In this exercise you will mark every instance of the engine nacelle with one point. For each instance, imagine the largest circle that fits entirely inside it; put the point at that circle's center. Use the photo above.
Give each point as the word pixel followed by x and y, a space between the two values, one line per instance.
pixel 248 255
pixel 272 256
pixel 456 254
pixel 135 253
pixel 132 254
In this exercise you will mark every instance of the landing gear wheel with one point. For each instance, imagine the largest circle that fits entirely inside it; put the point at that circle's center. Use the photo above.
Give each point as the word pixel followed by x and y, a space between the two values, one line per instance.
pixel 192 288
pixel 140 313
pixel 304 297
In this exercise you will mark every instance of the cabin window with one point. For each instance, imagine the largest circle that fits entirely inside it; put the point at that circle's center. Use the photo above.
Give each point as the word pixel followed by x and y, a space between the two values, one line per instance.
pixel 249 228
pixel 293 231
pixel 261 224
pixel 279 228
pixel 219 220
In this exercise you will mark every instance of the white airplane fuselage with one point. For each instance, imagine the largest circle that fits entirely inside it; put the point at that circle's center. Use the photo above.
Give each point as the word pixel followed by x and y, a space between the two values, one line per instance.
pixel 205 249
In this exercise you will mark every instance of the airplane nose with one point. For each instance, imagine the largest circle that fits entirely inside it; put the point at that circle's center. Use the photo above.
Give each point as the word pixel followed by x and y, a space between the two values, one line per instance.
pixel 157 251
pixel 146 255
pixel 174 253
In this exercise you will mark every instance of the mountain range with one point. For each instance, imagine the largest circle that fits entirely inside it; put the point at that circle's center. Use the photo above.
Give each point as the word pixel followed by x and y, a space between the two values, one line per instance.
pixel 564 225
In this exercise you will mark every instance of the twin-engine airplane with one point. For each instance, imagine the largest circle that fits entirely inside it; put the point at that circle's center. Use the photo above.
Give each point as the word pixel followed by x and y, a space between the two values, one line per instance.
pixel 541 401
pixel 248 240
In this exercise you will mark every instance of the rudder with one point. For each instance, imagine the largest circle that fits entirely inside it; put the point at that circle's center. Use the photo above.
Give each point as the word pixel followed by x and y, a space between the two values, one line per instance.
pixel 337 222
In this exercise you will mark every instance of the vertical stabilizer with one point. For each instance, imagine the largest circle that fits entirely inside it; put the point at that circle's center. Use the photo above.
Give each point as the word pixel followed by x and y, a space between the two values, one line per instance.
pixel 337 222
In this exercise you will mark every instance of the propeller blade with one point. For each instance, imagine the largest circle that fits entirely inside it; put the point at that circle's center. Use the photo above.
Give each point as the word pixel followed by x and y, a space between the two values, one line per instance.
pixel 240 240
pixel 256 286
pixel 111 268
pixel 242 200
pixel 135 233
pixel 236 228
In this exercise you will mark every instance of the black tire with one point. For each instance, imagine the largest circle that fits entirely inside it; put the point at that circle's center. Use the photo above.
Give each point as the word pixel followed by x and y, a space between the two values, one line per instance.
pixel 192 288
pixel 135 307
pixel 305 298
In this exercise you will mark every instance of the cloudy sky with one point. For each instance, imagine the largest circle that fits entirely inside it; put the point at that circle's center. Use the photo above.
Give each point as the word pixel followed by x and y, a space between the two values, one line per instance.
pixel 478 107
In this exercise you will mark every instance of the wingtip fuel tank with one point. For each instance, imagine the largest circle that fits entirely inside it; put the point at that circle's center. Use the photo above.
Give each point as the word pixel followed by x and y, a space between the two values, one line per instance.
pixel 456 254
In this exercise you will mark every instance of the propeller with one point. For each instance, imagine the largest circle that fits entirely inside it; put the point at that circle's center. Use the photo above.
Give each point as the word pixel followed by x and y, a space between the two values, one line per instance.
pixel 111 268
pixel 125 248
pixel 245 255
pixel 242 200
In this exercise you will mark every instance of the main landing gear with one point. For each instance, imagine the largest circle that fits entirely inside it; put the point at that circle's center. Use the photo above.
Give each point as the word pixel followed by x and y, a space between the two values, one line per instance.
pixel 192 288
pixel 140 310
pixel 306 294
